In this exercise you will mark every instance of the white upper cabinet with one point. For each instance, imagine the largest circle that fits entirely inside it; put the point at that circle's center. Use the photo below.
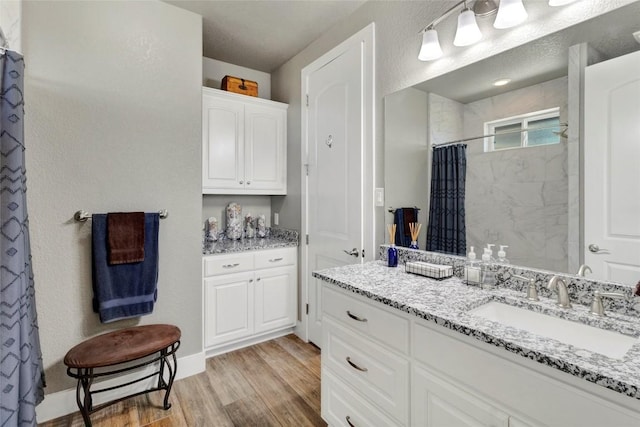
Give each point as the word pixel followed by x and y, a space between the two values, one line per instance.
pixel 243 144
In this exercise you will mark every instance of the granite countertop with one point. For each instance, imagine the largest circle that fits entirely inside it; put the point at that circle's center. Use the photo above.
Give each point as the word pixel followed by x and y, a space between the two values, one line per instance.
pixel 276 238
pixel 447 303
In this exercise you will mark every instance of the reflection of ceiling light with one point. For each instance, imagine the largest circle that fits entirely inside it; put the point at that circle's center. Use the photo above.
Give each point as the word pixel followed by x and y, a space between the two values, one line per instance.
pixel 510 14
pixel 560 2
pixel 501 82
pixel 430 48
pixel 468 32
pixel 636 36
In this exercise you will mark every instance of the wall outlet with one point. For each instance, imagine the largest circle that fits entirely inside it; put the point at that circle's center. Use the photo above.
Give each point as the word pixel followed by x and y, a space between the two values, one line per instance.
pixel 276 218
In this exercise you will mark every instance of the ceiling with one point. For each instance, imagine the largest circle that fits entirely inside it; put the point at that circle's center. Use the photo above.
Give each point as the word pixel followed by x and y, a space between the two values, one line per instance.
pixel 541 60
pixel 264 34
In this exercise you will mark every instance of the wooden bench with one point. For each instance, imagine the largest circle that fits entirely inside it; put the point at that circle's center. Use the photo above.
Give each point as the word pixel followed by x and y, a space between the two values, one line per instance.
pixel 105 355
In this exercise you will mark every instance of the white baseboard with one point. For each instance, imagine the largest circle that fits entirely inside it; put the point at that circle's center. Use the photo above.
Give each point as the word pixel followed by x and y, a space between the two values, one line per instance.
pixel 236 345
pixel 63 402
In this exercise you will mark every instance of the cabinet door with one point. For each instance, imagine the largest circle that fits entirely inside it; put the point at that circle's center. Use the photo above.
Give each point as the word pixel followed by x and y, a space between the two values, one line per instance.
pixel 439 403
pixel 228 308
pixel 265 150
pixel 222 145
pixel 275 298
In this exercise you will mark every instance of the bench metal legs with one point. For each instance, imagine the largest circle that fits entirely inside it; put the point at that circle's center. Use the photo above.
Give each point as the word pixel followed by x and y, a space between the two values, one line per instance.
pixel 84 395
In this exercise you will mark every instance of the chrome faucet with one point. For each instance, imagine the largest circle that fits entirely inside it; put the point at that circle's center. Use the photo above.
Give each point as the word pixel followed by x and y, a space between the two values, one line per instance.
pixel 532 291
pixel 596 306
pixel 559 285
pixel 582 271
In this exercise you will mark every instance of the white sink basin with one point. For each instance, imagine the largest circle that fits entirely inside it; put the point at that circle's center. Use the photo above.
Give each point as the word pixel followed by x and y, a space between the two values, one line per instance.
pixel 607 343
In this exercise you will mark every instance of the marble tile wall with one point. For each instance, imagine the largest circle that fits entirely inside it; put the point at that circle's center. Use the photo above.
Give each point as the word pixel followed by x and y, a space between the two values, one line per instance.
pixel 11 23
pixel 519 197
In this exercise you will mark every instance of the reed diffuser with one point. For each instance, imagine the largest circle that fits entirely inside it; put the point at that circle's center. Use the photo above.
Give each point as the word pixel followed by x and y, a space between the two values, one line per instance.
pixel 414 228
pixel 392 253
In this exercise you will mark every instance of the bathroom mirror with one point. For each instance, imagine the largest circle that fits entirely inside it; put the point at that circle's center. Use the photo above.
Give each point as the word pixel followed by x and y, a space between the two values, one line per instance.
pixel 527 198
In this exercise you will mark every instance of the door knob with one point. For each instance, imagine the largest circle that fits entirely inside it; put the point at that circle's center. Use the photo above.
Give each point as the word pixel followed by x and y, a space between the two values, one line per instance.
pixel 596 249
pixel 353 252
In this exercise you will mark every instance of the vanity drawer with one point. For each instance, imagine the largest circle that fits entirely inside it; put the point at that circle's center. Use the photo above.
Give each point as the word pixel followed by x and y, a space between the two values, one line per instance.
pixel 226 264
pixel 379 374
pixel 342 407
pixel 388 328
pixel 276 257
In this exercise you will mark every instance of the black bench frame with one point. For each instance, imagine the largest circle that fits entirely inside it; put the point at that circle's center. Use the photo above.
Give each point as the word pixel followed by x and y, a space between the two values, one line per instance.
pixel 86 376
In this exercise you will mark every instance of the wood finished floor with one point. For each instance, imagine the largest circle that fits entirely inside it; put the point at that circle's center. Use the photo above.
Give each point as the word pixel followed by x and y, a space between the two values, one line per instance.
pixel 275 383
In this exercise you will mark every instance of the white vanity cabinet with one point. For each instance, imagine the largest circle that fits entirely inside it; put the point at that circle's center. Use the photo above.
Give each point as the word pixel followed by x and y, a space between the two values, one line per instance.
pixel 248 297
pixel 412 372
pixel 243 144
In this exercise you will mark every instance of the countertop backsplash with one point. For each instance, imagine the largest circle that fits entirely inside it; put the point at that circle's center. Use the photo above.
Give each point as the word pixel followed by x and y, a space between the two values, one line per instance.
pixel 580 288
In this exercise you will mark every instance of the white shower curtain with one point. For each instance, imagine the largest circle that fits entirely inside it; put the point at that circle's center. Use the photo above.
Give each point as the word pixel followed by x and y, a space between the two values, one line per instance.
pixel 21 372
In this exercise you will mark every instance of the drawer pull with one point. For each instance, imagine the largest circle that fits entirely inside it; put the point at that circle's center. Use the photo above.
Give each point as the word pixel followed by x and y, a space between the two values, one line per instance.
pixel 275 259
pixel 348 418
pixel 353 365
pixel 354 317
pixel 230 265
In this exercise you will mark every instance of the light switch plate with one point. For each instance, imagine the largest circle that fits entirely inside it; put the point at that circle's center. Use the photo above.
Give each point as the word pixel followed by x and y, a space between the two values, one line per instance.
pixel 379 196
pixel 276 218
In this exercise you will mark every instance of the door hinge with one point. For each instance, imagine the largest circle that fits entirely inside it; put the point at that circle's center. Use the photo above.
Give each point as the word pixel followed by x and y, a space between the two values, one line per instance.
pixel 363 253
pixel 307 308
pixel 307 239
pixel 307 100
pixel 306 168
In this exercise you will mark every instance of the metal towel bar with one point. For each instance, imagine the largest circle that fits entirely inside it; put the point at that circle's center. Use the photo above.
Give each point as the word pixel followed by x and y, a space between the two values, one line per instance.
pixel 82 216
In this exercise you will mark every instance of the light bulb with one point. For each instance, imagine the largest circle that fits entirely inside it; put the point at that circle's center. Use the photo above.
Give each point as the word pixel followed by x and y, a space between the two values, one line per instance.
pixel 510 14
pixel 430 48
pixel 468 32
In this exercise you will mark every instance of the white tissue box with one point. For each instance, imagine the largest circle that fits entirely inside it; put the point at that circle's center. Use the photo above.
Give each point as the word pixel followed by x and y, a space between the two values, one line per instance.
pixel 434 271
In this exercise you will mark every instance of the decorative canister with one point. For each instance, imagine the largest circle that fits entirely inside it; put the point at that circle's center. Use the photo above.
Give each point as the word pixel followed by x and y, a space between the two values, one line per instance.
pixel 234 221
pixel 250 231
pixel 262 226
pixel 211 229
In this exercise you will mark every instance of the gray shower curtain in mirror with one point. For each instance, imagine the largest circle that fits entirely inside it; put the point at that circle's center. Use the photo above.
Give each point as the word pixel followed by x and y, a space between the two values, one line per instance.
pixel 446 232
pixel 21 373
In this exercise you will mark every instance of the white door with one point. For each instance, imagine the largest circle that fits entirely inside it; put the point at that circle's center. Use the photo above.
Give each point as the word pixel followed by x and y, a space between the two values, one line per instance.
pixel 265 157
pixel 611 158
pixel 274 298
pixel 223 143
pixel 336 186
pixel 228 308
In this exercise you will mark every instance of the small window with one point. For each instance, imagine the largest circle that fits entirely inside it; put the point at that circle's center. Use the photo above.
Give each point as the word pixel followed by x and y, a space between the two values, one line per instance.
pixel 527 130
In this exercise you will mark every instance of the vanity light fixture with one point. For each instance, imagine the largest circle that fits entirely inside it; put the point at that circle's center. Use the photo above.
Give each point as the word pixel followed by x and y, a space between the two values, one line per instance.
pixel 430 48
pixel 468 31
pixel 510 14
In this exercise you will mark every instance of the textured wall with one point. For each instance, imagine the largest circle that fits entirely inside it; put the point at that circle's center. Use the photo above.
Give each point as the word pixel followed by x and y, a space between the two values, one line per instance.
pixel 397 66
pixel 113 123
pixel 519 197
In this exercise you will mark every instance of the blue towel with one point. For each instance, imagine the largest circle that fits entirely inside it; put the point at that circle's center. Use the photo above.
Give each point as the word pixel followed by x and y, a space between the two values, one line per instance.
pixel 403 233
pixel 124 290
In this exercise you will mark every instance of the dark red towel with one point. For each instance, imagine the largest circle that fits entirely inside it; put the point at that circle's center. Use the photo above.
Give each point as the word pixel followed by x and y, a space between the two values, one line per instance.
pixel 125 236
pixel 409 217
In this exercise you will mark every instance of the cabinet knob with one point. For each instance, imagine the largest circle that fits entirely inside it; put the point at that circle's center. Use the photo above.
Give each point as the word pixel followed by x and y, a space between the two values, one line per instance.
pixel 248 182
pixel 258 279
pixel 241 182
pixel 250 280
